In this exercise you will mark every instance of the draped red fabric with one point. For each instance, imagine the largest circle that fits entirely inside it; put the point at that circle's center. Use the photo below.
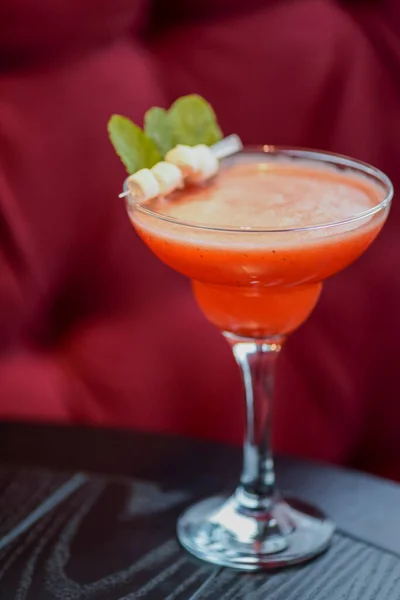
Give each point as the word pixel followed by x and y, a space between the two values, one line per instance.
pixel 93 328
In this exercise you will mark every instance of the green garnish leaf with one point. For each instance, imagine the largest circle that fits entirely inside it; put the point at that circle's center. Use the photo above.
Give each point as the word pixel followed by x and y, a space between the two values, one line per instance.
pixel 189 121
pixel 157 126
pixel 193 121
pixel 133 146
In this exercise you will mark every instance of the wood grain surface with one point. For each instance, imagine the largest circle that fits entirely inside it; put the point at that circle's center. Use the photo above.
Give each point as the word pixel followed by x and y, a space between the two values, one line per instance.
pixel 90 514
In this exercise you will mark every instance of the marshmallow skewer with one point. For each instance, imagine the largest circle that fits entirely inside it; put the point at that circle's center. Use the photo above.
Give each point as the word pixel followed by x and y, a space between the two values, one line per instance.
pixel 222 149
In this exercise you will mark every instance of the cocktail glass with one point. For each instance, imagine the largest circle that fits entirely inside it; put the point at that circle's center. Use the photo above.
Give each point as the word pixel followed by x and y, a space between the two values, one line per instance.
pixel 256 286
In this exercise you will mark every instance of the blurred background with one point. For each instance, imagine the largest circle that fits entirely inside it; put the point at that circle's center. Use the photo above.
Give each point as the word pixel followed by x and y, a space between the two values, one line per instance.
pixel 93 328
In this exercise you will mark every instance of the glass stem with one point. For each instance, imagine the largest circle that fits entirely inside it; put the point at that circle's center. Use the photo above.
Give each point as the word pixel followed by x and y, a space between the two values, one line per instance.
pixel 256 359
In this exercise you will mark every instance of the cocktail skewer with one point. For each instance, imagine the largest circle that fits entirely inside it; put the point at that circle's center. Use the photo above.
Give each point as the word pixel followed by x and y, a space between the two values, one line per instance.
pixel 222 149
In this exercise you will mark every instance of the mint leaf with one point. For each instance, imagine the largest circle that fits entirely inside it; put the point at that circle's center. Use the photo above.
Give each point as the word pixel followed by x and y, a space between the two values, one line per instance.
pixel 193 121
pixel 157 126
pixel 190 121
pixel 133 146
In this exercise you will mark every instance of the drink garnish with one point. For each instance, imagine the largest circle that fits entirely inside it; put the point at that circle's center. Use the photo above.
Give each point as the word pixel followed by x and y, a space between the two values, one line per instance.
pixel 133 146
pixel 181 143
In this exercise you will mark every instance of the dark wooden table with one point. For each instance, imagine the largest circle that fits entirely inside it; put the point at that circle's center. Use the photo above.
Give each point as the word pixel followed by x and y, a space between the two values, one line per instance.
pixel 90 514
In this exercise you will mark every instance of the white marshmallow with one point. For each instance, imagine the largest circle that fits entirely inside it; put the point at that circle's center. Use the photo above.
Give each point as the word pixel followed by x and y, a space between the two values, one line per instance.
pixel 185 158
pixel 208 164
pixel 169 177
pixel 144 184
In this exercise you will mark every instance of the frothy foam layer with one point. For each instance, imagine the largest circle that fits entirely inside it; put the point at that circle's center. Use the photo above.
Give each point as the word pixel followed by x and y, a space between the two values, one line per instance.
pixel 272 196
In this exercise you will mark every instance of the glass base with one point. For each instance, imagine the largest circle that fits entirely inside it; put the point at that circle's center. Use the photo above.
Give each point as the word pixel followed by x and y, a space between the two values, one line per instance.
pixel 220 531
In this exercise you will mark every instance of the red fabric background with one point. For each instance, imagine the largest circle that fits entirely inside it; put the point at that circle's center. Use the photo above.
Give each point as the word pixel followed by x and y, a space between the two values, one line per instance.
pixel 93 328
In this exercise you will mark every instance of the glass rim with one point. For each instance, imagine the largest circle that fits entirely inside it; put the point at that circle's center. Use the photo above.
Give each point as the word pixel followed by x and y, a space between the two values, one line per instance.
pixel 319 156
